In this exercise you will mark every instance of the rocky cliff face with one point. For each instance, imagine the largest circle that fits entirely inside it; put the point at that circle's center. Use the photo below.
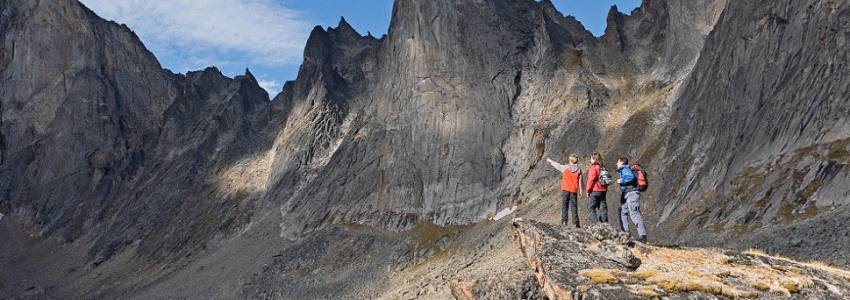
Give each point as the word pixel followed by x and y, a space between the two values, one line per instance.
pixel 447 118
pixel 738 110
pixel 99 141
pixel 775 71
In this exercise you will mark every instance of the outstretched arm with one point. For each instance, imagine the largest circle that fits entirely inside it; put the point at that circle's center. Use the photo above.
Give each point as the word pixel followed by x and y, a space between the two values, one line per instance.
pixel 556 165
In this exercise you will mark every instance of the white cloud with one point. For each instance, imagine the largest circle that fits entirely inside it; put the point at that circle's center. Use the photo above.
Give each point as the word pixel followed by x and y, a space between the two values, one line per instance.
pixel 270 86
pixel 246 31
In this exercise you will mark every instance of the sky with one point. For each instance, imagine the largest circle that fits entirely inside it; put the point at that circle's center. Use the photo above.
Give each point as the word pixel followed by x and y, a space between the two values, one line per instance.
pixel 268 36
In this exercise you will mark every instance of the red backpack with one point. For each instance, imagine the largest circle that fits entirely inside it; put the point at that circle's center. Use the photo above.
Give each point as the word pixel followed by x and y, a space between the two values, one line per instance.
pixel 642 180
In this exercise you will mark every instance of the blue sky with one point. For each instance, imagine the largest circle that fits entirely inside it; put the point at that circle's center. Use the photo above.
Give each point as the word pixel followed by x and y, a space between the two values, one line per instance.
pixel 268 36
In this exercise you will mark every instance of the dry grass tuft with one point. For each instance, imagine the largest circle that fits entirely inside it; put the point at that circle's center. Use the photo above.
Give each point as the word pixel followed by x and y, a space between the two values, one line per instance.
pixel 648 292
pixel 761 286
pixel 600 276
pixel 644 274
pixel 582 289
pixel 817 265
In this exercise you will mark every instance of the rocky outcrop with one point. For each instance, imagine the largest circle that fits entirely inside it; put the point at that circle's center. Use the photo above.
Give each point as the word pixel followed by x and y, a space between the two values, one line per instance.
pixel 498 287
pixel 557 256
pixel 600 263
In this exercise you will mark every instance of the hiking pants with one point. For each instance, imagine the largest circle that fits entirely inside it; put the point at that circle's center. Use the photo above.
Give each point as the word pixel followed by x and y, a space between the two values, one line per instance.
pixel 597 199
pixel 632 208
pixel 570 202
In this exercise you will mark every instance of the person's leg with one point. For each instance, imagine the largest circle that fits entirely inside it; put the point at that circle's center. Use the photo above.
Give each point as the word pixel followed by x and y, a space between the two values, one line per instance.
pixel 624 217
pixel 603 207
pixel 592 203
pixel 634 211
pixel 623 224
pixel 565 200
pixel 574 209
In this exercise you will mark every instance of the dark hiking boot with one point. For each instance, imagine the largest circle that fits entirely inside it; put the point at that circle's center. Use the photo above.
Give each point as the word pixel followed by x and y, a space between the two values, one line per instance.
pixel 642 239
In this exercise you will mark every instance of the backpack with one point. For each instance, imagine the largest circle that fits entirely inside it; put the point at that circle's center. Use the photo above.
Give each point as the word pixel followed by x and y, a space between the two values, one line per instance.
pixel 604 177
pixel 642 180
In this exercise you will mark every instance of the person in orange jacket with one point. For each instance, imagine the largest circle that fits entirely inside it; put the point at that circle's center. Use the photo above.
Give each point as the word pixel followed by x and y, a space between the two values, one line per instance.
pixel 571 185
pixel 596 191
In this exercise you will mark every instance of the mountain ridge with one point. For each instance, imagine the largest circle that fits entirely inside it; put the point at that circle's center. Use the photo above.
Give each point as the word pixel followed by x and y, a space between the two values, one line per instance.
pixel 442 122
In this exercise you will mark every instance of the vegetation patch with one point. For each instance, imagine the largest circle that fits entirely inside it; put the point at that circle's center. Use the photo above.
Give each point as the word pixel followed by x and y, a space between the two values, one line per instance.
pixel 715 272
pixel 792 211
pixel 600 276
pixel 839 153
pixel 648 292
pixel 429 236
pixel 429 232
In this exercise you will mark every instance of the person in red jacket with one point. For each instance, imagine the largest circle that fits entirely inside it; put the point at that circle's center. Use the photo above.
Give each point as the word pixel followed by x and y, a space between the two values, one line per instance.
pixel 571 185
pixel 596 191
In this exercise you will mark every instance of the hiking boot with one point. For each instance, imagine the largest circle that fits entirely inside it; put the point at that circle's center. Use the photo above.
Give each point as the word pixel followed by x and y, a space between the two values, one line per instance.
pixel 642 239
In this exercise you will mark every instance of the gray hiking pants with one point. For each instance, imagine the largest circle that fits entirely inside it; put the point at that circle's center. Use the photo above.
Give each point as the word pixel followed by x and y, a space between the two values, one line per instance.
pixel 594 200
pixel 632 208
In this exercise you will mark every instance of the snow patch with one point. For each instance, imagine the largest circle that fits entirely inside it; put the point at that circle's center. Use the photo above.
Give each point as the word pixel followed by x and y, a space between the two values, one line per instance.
pixel 504 213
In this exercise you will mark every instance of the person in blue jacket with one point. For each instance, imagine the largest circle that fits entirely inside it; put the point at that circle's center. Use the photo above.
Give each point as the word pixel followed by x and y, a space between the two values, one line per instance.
pixel 630 199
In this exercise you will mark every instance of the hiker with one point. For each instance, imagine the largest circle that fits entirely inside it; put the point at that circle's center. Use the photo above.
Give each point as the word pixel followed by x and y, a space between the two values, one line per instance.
pixel 596 191
pixel 570 183
pixel 630 199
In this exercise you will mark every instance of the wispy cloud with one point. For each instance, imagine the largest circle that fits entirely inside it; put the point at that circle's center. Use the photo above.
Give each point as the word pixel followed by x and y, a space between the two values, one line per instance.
pixel 193 32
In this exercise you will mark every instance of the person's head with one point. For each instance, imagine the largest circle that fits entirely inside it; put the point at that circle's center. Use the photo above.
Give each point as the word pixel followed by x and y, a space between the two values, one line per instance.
pixel 573 159
pixel 596 159
pixel 622 162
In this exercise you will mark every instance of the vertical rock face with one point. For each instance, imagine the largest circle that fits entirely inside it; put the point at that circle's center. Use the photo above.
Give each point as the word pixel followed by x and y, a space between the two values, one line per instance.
pixel 80 98
pixel 777 72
